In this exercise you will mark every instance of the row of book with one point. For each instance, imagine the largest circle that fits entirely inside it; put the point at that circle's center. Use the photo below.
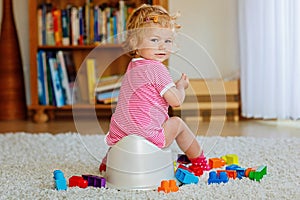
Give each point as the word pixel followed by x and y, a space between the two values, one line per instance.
pixel 56 78
pixel 81 25
pixel 59 84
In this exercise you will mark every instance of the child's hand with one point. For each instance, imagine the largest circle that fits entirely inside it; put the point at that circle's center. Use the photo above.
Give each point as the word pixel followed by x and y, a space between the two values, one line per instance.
pixel 183 82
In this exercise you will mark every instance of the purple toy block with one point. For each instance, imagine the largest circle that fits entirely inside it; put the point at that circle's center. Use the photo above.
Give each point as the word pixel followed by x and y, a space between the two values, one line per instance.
pixel 95 181
pixel 182 158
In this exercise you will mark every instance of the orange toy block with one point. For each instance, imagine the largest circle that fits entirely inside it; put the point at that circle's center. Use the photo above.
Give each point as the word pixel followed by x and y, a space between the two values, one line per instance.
pixel 168 186
pixel 230 173
pixel 248 170
pixel 216 163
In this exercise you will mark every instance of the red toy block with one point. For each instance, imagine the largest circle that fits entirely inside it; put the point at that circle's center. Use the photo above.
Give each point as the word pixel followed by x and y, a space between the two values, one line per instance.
pixel 77 181
pixel 230 173
pixel 216 162
pixel 181 166
pixel 168 186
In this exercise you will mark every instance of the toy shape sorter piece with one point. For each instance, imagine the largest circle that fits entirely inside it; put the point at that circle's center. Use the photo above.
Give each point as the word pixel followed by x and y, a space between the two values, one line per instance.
pixel 258 173
pixel 231 159
pixel 216 163
pixel 135 163
pixel 240 171
pixel 186 177
pixel 183 159
pixel 217 178
pixel 77 181
pixel 230 173
pixel 59 180
pixel 168 186
pixel 95 181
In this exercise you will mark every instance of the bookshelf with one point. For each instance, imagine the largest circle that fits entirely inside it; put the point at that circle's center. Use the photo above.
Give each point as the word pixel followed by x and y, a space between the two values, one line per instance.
pixel 103 53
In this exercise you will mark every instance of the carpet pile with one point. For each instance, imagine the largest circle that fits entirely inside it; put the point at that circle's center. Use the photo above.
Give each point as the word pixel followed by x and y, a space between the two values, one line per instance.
pixel 27 162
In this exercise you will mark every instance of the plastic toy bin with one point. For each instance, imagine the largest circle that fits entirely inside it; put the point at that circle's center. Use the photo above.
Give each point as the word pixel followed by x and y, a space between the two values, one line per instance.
pixel 135 163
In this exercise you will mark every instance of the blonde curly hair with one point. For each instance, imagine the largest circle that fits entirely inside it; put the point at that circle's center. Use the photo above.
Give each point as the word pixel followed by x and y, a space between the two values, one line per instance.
pixel 143 17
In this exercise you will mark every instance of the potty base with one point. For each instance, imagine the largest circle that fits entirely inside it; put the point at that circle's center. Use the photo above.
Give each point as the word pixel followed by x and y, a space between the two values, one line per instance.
pixel 136 164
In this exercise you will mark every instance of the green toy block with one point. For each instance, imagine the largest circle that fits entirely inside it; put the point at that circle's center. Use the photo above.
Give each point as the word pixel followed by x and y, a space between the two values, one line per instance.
pixel 258 173
pixel 231 159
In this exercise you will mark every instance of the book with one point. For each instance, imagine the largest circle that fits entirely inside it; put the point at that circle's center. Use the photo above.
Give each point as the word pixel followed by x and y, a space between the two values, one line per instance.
pixel 91 78
pixel 57 27
pixel 65 21
pixel 56 82
pixel 74 25
pixel 72 74
pixel 109 83
pixel 46 76
pixel 64 78
pixel 108 97
pixel 41 79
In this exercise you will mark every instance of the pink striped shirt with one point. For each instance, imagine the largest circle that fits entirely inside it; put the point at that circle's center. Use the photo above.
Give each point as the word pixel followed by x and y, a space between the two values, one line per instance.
pixel 141 108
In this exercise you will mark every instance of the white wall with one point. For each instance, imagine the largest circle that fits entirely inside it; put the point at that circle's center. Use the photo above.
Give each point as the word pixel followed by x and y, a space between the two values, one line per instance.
pixel 213 25
pixel 210 23
pixel 20 9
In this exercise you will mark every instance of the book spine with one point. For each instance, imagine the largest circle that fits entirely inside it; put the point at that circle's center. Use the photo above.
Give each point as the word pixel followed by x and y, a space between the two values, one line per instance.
pixel 56 83
pixel 90 64
pixel 64 78
pixel 57 28
pixel 74 26
pixel 41 82
pixel 65 20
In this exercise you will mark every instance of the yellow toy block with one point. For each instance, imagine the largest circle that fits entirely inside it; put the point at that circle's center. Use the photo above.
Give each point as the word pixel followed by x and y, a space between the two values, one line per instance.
pixel 231 159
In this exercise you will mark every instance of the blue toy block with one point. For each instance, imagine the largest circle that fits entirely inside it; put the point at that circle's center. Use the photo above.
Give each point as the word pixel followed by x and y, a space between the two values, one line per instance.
pixel 232 167
pixel 214 178
pixel 240 172
pixel 59 179
pixel 185 176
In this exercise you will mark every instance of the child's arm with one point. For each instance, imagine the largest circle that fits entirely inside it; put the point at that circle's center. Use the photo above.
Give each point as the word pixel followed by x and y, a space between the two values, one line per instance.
pixel 175 95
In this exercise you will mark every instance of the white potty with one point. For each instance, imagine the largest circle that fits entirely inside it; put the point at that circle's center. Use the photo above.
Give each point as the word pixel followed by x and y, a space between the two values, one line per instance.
pixel 135 163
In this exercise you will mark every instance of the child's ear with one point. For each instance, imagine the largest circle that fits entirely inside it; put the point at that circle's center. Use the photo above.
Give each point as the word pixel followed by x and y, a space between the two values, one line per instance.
pixel 134 43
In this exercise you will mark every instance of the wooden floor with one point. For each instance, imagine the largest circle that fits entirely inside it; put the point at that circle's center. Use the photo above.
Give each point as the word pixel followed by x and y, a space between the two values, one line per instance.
pixel 256 128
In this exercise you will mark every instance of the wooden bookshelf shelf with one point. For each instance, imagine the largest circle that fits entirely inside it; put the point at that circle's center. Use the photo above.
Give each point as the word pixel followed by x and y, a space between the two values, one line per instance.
pixel 104 55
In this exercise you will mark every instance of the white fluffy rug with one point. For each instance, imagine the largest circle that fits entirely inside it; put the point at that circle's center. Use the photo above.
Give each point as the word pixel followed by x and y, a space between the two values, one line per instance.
pixel 27 162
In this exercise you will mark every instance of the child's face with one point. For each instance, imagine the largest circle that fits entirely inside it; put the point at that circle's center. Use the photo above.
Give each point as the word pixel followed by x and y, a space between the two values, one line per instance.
pixel 156 44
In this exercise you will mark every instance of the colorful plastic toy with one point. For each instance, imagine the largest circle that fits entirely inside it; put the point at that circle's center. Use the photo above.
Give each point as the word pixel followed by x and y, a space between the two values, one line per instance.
pixel 217 178
pixel 197 170
pixel 95 181
pixel 258 173
pixel 77 181
pixel 231 159
pixel 182 158
pixel 240 172
pixel 185 176
pixel 168 186
pixel 232 167
pixel 59 179
pixel 216 163
pixel 230 173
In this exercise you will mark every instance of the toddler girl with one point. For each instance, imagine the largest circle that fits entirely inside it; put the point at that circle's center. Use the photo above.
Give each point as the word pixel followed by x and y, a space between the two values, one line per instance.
pixel 148 90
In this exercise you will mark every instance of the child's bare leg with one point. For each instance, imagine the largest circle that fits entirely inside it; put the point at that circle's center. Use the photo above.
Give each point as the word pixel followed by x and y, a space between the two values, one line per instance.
pixel 176 129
